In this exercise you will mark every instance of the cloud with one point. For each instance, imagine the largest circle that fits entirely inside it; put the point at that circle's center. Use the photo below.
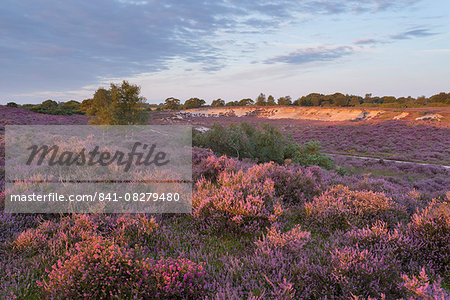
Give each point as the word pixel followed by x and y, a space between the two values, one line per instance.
pixel 366 42
pixel 58 45
pixel 307 55
pixel 420 32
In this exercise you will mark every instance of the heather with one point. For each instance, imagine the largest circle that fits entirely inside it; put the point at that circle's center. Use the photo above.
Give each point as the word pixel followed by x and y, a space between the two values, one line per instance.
pixel 258 230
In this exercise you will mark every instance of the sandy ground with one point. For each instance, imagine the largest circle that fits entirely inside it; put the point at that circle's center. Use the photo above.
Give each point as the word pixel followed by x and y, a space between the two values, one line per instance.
pixel 440 114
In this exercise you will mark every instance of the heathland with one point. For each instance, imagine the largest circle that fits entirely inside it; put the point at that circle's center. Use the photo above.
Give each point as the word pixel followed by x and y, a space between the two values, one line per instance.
pixel 340 203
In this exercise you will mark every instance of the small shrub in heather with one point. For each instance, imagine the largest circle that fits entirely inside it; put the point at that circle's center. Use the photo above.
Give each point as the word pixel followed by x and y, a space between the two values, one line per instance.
pixel 341 208
pixel 292 183
pixel 363 273
pixel 421 287
pixel 428 238
pixel 240 199
pixel 99 269
pixel 132 230
pixel 210 167
pixel 291 241
pixel 178 278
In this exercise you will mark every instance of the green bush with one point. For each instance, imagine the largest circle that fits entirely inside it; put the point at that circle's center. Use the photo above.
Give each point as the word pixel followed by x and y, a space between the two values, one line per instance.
pixel 264 145
pixel 12 104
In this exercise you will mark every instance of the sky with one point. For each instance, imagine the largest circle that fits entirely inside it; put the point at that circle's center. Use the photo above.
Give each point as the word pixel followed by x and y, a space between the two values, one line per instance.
pixel 226 49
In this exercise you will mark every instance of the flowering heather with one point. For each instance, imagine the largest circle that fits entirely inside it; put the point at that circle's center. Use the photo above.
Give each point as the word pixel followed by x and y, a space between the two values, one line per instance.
pixel 238 199
pixel 421 287
pixel 340 208
pixel 428 238
pixel 362 273
pixel 367 230
pixel 291 241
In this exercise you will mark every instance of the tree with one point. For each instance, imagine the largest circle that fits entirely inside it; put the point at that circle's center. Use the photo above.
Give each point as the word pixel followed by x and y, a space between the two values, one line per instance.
pixel 232 103
pixel 271 101
pixel 339 99
pixel 172 104
pixel 218 102
pixel 12 104
pixel 86 105
pixel 49 104
pixel 261 100
pixel 127 105
pixel 355 100
pixel 245 102
pixel 193 103
pixel 120 105
pixel 286 100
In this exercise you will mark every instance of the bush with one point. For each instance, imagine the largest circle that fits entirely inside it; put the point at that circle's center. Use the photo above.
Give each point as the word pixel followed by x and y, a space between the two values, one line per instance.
pixel 99 269
pixel 341 208
pixel 265 145
pixel 293 184
pixel 428 238
pixel 12 104
pixel 239 199
pixel 57 237
pixel 421 287
pixel 291 241
pixel 362 273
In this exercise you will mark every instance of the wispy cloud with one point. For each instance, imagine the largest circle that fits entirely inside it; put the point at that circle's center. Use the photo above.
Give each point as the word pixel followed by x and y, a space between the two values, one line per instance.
pixel 366 42
pixel 413 33
pixel 315 54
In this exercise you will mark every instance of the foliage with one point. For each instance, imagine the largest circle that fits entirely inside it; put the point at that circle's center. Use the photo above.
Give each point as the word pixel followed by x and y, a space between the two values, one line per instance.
pixel 266 144
pixel 240 200
pixel 341 208
pixel 119 105
pixel 172 104
pixel 193 103
pixel 218 102
pixel 341 100
pixel 12 104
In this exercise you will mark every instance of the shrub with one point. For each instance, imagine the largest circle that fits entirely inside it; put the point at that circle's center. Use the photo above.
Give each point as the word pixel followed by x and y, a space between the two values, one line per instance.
pixel 291 241
pixel 179 278
pixel 12 104
pixel 428 238
pixel 340 208
pixel 132 230
pixel 238 199
pixel 58 237
pixel 210 166
pixel 99 269
pixel 292 183
pixel 362 273
pixel 421 288
pixel 265 145
pixel 376 237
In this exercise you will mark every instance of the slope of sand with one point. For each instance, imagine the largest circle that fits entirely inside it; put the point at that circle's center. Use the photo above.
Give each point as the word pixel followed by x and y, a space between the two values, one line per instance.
pixel 305 113
pixel 437 115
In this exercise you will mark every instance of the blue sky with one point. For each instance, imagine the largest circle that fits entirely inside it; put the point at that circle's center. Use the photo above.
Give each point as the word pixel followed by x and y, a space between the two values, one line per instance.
pixel 231 49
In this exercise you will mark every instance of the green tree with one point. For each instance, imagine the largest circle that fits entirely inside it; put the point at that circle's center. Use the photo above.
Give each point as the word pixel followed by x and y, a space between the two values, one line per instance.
pixel 286 100
pixel 245 102
pixel 12 104
pixel 193 103
pixel 261 100
pixel 127 105
pixel 172 104
pixel 271 101
pixel 218 102
pixel 120 105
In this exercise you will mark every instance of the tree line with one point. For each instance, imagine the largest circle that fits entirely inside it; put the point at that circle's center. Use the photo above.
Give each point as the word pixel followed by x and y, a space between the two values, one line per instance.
pixel 122 102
